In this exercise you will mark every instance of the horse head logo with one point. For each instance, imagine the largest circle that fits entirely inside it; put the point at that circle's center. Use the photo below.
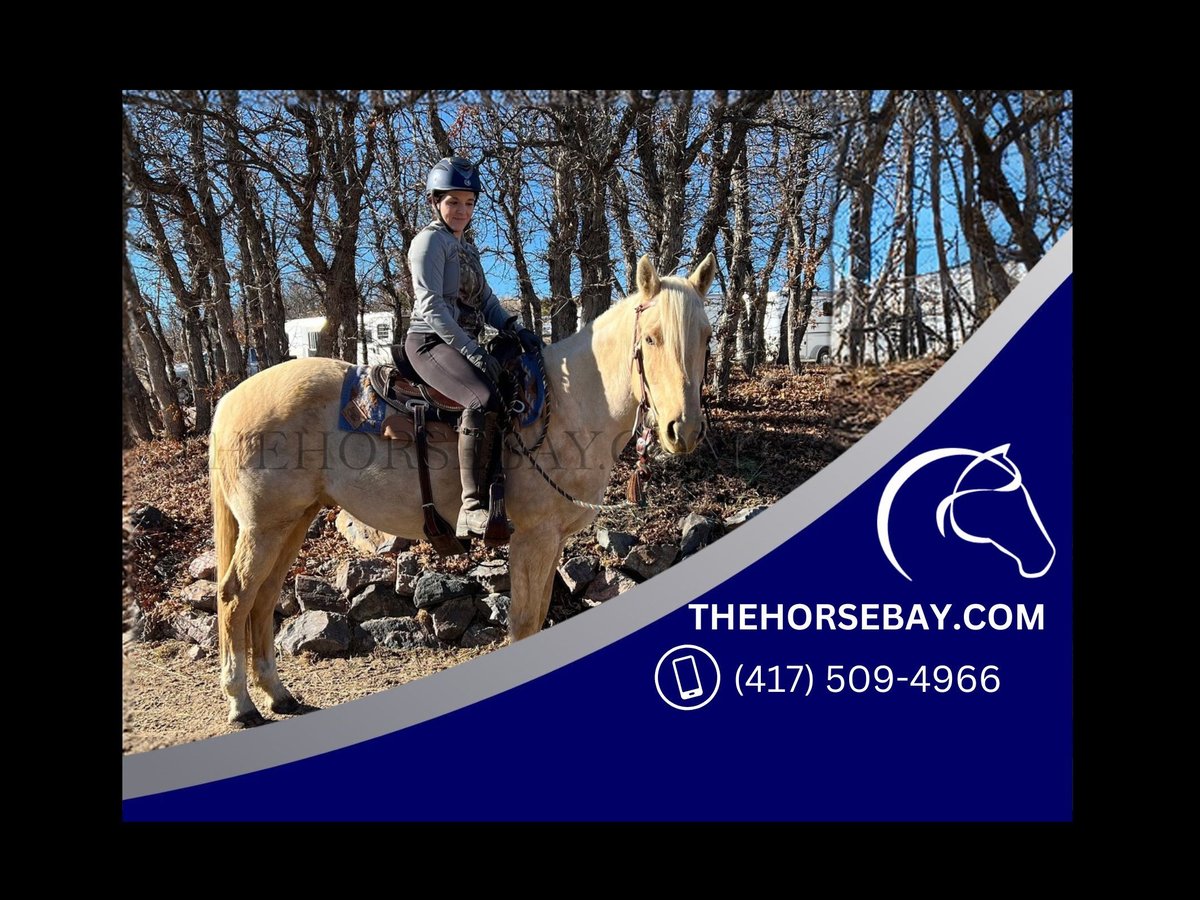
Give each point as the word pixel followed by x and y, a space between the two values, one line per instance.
pixel 1008 485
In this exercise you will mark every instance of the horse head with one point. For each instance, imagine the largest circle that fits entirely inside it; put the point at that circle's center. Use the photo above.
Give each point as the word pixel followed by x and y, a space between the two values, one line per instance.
pixel 994 497
pixel 672 332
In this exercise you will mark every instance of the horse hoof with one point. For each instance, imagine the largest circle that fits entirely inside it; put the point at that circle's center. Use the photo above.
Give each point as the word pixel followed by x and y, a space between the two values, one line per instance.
pixel 250 719
pixel 287 706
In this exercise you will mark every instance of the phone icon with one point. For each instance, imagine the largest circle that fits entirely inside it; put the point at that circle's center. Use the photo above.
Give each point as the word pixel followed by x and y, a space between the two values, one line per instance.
pixel 687 676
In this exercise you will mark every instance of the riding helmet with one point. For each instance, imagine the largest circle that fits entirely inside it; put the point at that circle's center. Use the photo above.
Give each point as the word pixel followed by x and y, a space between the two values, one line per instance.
pixel 453 174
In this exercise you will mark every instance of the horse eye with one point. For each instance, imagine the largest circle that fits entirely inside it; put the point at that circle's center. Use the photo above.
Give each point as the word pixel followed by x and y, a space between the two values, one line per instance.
pixel 650 340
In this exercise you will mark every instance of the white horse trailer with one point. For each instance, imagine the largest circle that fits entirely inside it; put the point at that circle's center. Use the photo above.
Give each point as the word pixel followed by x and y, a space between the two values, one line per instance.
pixel 817 343
pixel 379 331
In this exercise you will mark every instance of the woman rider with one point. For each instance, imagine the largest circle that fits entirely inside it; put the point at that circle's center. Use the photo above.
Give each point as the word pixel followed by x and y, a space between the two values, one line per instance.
pixel 451 302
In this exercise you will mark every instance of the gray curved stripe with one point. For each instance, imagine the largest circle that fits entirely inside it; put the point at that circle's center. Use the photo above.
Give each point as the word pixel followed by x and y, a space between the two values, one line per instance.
pixel 478 679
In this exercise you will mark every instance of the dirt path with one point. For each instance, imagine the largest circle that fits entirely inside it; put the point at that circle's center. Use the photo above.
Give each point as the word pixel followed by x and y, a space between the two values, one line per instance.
pixel 171 699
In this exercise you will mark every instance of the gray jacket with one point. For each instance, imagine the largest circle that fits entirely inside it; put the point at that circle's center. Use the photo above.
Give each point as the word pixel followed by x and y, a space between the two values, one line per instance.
pixel 451 297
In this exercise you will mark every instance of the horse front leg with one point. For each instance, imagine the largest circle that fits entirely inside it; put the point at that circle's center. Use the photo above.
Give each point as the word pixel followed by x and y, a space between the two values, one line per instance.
pixel 533 557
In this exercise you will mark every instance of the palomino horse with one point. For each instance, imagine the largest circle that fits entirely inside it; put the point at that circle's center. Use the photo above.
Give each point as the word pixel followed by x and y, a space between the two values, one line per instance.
pixel 275 458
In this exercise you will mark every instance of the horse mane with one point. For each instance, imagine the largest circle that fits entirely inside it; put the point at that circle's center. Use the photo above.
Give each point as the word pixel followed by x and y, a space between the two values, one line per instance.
pixel 680 312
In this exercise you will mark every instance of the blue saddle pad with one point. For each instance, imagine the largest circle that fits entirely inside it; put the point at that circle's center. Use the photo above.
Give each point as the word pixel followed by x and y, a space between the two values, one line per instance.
pixel 362 410
pixel 533 390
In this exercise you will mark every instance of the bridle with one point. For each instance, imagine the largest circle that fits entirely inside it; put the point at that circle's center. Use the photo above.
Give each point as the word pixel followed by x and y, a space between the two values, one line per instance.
pixel 635 490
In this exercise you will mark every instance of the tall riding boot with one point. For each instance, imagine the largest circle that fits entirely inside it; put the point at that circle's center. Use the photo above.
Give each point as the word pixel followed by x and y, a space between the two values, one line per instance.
pixel 477 432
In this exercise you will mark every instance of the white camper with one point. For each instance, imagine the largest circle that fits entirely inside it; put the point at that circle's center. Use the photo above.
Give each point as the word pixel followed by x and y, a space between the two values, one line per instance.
pixel 377 337
pixel 817 343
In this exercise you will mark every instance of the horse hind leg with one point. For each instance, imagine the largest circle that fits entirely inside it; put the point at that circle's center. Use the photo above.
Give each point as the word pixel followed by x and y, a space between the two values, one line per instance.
pixel 255 553
pixel 262 620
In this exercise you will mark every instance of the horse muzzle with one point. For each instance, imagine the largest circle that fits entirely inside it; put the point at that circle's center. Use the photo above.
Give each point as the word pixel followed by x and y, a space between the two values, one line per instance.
pixel 680 436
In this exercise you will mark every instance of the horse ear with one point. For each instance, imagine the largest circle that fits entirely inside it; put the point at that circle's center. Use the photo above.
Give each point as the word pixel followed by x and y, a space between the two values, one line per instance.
pixel 702 277
pixel 647 278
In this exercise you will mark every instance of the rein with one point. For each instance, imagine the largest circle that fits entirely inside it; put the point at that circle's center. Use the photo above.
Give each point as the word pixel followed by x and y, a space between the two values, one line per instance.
pixel 635 489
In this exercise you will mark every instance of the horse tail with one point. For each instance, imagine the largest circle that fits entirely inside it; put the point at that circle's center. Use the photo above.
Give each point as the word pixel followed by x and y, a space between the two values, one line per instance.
pixel 225 524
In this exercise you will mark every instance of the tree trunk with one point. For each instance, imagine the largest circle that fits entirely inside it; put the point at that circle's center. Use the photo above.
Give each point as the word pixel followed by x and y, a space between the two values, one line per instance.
pixel 739 280
pixel 205 225
pixel 260 272
pixel 988 279
pixel 162 382
pixel 739 117
pixel 910 314
pixel 595 270
pixel 564 229
pixel 945 283
pixel 186 298
pixel 862 174
pixel 629 246
pixel 993 185
pixel 135 402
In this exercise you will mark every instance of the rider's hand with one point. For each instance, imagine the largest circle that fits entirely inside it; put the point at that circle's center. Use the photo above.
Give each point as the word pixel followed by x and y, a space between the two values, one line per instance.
pixel 487 364
pixel 528 339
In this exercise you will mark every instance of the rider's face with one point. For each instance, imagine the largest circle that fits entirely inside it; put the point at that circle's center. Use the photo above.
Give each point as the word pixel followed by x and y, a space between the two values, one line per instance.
pixel 456 208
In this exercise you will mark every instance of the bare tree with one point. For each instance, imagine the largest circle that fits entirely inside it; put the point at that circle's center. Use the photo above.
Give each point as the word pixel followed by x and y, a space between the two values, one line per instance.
pixel 861 171
pixel 509 191
pixel 810 199
pixel 974 109
pixel 949 290
pixel 989 280
pixel 261 289
pixel 737 262
pixel 560 245
pixel 729 123
pixel 162 379
pixel 161 250
pixel 593 128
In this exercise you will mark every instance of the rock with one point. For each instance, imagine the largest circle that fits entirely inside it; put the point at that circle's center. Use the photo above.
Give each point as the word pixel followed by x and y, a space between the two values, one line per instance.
pixel 378 601
pixel 618 542
pixel 425 620
pixel 697 531
pixel 315 594
pixel 398 633
pixel 607 585
pixel 480 635
pixel 647 560
pixel 578 572
pixel 196 652
pixel 196 627
pixel 493 609
pixel 317 528
pixel 133 622
pixel 743 516
pixel 201 595
pixel 145 516
pixel 354 574
pixel 408 572
pixel 451 619
pixel 366 539
pixel 316 631
pixel 287 604
pixel 435 588
pixel 493 575
pixel 204 566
